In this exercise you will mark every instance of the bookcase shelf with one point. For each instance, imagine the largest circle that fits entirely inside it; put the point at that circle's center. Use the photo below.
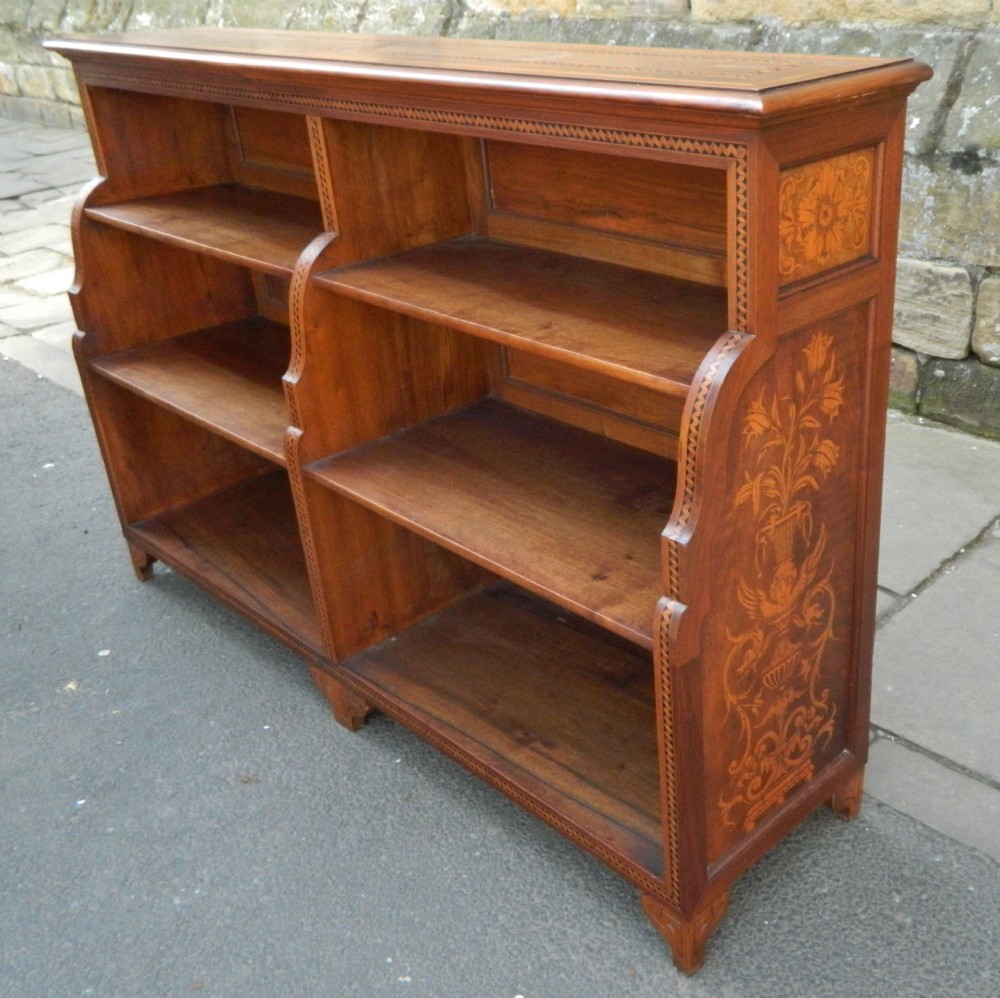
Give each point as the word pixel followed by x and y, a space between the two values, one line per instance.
pixel 242 544
pixel 563 512
pixel 513 690
pixel 226 378
pixel 257 228
pixel 632 325
pixel 562 446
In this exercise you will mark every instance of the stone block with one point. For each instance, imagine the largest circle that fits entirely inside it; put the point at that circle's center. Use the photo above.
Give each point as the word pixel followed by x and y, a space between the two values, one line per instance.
pixel 515 8
pixel 64 86
pixel 933 312
pixel 96 15
pixel 630 8
pixel 8 79
pixel 35 81
pixel 962 393
pixel 986 333
pixel 974 120
pixel 940 48
pixel 904 380
pixel 690 35
pixel 951 214
pixel 971 12
pixel 176 14
pixel 43 17
pixel 791 11
pixel 392 18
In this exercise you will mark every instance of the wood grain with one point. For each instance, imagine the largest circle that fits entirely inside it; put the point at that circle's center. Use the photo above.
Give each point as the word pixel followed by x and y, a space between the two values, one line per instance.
pixel 243 545
pixel 227 378
pixel 642 328
pixel 565 513
pixel 253 228
pixel 562 714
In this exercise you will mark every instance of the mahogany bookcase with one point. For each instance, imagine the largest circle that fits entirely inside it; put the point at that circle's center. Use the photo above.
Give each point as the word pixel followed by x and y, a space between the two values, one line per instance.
pixel 533 393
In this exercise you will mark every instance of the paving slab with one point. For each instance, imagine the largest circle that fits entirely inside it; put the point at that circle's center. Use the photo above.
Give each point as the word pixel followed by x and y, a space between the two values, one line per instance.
pixel 16 185
pixel 942 489
pixel 29 264
pixel 41 311
pixel 54 282
pixel 181 816
pixel 54 363
pixel 60 335
pixel 34 237
pixel 957 805
pixel 936 665
pixel 57 208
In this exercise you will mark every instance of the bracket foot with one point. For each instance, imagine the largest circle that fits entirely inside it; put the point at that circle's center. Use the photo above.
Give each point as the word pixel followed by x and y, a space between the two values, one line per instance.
pixel 686 937
pixel 348 708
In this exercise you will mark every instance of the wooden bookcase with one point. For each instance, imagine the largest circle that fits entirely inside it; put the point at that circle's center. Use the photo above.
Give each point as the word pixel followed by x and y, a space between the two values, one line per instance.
pixel 535 394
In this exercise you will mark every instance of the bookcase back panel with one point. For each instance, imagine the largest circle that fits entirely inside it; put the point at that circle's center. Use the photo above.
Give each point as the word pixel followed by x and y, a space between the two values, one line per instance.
pixel 665 217
pixel 271 150
pixel 630 413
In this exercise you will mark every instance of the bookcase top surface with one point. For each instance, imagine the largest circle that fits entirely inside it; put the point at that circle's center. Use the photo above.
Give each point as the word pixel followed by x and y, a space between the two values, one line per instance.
pixel 741 80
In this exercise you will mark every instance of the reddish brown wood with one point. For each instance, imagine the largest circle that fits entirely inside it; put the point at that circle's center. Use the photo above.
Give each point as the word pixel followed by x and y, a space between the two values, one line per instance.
pixel 349 709
pixel 847 801
pixel 641 328
pixel 253 228
pixel 227 378
pixel 481 680
pixel 565 513
pixel 242 545
pixel 611 324
pixel 686 935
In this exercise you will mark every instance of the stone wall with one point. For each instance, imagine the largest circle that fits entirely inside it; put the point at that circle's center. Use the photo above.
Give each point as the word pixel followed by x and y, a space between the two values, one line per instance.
pixel 947 356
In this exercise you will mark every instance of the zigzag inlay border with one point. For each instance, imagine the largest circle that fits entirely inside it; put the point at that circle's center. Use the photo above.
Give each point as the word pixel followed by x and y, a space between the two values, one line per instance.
pixel 696 421
pixel 670 806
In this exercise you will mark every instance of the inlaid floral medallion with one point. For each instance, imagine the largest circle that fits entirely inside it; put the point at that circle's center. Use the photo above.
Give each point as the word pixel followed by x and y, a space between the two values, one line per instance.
pixel 825 214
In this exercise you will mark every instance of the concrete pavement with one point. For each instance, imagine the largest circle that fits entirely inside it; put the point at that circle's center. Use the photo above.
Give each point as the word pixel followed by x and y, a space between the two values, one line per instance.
pixel 180 815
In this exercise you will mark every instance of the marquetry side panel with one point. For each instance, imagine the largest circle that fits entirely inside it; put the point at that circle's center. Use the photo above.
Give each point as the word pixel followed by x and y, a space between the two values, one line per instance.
pixel 777 637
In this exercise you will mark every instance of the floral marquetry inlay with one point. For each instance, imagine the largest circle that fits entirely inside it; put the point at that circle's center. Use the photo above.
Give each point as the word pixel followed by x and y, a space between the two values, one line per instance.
pixel 825 214
pixel 772 677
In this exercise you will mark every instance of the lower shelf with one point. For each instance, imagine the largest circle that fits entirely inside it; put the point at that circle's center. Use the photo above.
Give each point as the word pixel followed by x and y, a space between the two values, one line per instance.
pixel 242 544
pixel 557 715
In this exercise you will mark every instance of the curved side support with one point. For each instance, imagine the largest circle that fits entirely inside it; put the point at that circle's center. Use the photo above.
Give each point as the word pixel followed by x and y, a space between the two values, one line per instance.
pixel 686 936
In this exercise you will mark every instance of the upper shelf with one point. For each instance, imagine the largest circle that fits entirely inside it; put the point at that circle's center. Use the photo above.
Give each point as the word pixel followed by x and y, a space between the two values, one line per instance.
pixel 253 228
pixel 644 328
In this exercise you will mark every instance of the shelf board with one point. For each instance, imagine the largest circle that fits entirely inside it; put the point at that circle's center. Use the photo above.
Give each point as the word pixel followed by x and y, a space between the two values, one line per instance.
pixel 227 379
pixel 242 545
pixel 253 228
pixel 637 326
pixel 568 514
pixel 545 708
